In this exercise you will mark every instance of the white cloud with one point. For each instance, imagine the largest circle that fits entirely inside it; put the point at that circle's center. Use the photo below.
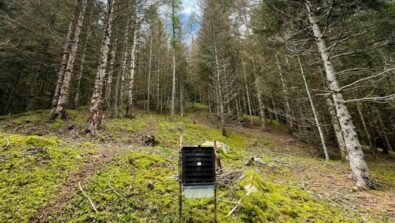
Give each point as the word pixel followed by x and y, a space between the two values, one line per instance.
pixel 188 7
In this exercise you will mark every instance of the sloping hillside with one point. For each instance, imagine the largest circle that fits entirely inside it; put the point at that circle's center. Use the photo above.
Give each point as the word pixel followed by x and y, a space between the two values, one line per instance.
pixel 54 172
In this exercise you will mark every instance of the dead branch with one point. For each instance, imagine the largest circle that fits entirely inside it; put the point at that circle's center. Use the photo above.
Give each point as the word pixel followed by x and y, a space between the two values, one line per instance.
pixel 85 195
pixel 366 78
pixel 112 188
pixel 7 145
pixel 374 99
pixel 234 208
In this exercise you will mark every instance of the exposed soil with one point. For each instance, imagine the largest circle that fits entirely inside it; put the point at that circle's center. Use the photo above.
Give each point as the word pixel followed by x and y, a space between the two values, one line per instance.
pixel 95 163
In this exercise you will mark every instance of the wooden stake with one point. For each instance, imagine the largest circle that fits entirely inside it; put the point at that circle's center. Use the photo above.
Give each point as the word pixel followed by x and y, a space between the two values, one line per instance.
pixel 215 183
pixel 180 181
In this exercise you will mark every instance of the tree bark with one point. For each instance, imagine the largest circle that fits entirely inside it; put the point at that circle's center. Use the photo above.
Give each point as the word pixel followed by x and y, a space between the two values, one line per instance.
pixel 132 67
pixel 358 165
pixel 60 110
pixel 337 129
pixel 66 52
pixel 83 57
pixel 110 74
pixel 95 116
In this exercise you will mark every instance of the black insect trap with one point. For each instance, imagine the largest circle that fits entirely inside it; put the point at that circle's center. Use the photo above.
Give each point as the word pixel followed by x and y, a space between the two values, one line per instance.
pixel 197 175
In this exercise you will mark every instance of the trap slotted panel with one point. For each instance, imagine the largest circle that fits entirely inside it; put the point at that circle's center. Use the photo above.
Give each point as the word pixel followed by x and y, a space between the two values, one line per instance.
pixel 198 166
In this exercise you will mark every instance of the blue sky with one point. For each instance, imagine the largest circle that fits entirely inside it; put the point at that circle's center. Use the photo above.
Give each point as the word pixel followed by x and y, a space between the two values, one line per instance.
pixel 189 8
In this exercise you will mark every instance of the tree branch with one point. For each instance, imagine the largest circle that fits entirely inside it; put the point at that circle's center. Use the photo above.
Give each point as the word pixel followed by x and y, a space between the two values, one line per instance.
pixel 365 79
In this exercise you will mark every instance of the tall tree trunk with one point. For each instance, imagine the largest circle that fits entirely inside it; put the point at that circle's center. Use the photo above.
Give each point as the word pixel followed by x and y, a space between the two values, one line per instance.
pixel 66 53
pixel 285 92
pixel 132 67
pixel 60 110
pixel 317 122
pixel 83 57
pixel 110 74
pixel 181 95
pixel 121 74
pixel 383 132
pixel 247 91
pixel 337 129
pixel 149 74
pixel 365 129
pixel 274 108
pixel 95 116
pixel 158 86
pixel 259 96
pixel 219 89
pixel 173 91
pixel 358 165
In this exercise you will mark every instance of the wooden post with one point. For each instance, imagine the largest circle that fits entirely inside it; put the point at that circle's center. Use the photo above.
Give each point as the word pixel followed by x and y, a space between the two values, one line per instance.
pixel 180 181
pixel 215 183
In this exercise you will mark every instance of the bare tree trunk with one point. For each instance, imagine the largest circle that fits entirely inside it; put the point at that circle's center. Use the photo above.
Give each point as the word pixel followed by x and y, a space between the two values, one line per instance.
pixel 173 91
pixel 365 129
pixel 274 109
pixel 285 92
pixel 384 132
pixel 337 129
pixel 149 75
pixel 95 116
pixel 121 74
pixel 132 68
pixel 110 74
pixel 317 122
pixel 259 96
pixel 358 165
pixel 181 95
pixel 247 91
pixel 60 110
pixel 220 99
pixel 158 86
pixel 66 53
pixel 83 57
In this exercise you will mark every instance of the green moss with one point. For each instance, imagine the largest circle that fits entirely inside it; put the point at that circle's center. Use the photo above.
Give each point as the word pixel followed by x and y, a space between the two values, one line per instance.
pixel 57 124
pixel 31 170
pixel 281 203
pixel 39 141
pixel 136 186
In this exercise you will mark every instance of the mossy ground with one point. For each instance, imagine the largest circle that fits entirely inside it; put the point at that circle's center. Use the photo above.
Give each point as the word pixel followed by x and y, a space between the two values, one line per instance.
pixel 139 185
pixel 31 170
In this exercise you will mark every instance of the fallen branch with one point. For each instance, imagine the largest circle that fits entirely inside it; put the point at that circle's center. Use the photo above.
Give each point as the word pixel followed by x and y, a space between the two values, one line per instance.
pixel 85 195
pixel 8 143
pixel 112 188
pixel 234 208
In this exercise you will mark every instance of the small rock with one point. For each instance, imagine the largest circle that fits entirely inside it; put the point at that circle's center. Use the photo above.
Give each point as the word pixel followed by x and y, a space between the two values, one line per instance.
pixel 220 146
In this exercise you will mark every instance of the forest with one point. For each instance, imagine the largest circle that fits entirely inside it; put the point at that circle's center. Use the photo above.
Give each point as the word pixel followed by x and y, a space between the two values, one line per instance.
pixel 97 97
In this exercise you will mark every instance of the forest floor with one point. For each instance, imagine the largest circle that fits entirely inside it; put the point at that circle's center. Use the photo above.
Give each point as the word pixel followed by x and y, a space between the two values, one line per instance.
pixel 53 172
